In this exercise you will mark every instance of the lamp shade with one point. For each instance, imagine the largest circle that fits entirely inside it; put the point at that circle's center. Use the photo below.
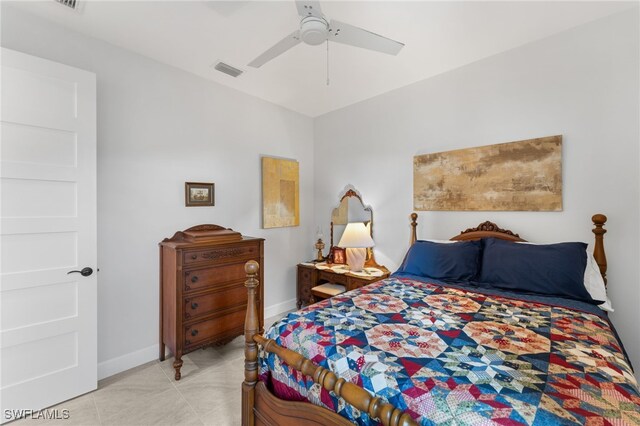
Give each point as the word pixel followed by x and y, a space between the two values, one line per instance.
pixel 356 235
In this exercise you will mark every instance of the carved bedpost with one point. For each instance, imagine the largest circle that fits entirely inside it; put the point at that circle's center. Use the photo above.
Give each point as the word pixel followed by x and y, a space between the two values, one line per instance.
pixel 251 326
pixel 598 250
pixel 414 224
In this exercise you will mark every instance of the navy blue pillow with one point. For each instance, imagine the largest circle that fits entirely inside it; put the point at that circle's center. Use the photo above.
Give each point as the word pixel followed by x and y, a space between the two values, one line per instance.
pixel 441 261
pixel 549 269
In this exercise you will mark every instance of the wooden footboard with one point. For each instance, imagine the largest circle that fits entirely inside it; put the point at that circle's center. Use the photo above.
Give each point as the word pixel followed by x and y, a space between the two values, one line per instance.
pixel 260 407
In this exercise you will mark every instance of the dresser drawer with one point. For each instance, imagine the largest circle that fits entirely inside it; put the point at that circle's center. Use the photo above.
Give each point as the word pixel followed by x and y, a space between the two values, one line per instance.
pixel 333 277
pixel 197 279
pixel 220 254
pixel 361 282
pixel 305 276
pixel 306 280
pixel 204 330
pixel 205 304
pixel 356 283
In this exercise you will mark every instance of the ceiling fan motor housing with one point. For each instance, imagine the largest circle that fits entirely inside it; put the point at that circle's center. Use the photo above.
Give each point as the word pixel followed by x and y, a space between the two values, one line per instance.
pixel 314 30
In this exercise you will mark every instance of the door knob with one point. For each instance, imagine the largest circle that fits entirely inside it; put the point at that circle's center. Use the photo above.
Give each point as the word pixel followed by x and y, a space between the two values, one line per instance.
pixel 85 272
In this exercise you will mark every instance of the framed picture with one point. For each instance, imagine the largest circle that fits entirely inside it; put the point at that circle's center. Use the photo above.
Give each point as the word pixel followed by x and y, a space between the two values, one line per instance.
pixel 339 255
pixel 280 192
pixel 514 176
pixel 198 194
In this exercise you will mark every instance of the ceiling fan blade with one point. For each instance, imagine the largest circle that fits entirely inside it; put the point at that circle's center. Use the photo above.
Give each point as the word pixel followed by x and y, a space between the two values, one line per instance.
pixel 309 8
pixel 354 36
pixel 280 47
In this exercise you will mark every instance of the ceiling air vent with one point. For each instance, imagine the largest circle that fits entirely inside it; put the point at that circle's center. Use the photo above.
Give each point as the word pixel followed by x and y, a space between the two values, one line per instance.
pixel 228 69
pixel 69 3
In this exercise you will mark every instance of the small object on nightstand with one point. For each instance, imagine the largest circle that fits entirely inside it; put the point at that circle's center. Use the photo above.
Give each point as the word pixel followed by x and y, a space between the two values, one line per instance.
pixel 356 239
pixel 340 269
pixel 369 272
pixel 319 246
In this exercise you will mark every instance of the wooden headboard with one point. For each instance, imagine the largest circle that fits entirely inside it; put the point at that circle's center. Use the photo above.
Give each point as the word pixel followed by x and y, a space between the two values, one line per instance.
pixel 491 230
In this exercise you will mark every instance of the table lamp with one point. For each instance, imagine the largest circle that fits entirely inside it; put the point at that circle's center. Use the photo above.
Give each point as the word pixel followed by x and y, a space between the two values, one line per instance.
pixel 356 239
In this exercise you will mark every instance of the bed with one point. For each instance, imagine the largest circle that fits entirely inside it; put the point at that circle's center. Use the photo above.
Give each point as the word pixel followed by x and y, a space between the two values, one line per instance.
pixel 413 350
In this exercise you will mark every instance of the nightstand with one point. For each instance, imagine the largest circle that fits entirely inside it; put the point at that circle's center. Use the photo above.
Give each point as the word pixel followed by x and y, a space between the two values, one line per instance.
pixel 309 276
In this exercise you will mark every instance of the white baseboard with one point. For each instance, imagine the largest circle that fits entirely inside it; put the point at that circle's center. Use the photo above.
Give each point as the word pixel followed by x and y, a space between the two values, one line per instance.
pixel 279 308
pixel 133 359
pixel 125 362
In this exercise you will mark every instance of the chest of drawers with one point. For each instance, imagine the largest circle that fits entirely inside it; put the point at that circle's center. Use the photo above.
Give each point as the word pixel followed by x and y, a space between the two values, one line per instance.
pixel 203 300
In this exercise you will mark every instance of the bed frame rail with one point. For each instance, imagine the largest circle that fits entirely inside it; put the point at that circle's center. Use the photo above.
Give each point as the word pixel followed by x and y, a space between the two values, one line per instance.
pixel 354 395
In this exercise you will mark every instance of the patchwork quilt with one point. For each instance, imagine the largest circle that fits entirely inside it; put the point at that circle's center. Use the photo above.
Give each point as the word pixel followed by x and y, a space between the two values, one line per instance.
pixel 459 356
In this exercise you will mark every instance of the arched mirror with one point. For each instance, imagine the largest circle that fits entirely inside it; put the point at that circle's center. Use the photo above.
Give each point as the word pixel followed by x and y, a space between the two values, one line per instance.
pixel 350 209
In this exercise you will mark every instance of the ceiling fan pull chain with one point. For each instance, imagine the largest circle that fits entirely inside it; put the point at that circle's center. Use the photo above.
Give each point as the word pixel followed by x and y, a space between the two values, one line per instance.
pixel 327 62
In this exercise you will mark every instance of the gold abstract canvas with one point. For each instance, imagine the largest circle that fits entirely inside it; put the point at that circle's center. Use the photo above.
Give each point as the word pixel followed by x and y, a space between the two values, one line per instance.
pixel 280 193
pixel 515 176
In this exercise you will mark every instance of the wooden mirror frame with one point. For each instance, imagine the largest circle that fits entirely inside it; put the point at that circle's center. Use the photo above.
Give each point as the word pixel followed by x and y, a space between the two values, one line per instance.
pixel 350 191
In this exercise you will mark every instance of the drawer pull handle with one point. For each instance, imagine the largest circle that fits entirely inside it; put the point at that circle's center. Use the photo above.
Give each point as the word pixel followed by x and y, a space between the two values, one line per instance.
pixel 194 333
pixel 194 256
pixel 194 305
pixel 194 279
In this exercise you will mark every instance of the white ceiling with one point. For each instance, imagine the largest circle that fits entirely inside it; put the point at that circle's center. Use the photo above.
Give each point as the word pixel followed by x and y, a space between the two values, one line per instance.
pixel 438 36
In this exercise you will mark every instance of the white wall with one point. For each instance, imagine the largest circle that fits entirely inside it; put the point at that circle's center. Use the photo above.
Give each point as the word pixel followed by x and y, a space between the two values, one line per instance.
pixel 582 84
pixel 157 128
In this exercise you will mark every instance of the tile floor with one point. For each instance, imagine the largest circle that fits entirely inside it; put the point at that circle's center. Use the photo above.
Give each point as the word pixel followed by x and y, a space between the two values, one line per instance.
pixel 207 394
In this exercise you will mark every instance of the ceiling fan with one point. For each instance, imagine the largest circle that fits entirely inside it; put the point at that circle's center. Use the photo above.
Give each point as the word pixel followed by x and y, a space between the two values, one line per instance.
pixel 315 29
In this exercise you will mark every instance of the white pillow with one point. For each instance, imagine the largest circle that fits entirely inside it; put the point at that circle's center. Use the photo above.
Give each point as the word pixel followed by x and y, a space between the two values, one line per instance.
pixel 594 283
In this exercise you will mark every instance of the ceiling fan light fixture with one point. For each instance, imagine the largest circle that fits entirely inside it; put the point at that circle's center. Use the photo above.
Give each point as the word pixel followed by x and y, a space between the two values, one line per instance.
pixel 314 31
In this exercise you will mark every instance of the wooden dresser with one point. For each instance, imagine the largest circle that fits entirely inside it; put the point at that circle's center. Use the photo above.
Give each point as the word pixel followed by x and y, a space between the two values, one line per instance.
pixel 202 295
pixel 309 276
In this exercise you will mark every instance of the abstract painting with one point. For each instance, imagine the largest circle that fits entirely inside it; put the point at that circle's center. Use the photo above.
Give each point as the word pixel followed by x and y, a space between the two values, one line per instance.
pixel 280 193
pixel 516 176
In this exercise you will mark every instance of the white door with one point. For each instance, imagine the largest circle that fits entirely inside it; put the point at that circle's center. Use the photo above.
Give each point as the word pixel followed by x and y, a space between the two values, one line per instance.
pixel 48 322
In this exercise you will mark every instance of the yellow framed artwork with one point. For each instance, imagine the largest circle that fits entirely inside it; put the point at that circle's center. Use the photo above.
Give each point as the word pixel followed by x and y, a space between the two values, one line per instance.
pixel 280 193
